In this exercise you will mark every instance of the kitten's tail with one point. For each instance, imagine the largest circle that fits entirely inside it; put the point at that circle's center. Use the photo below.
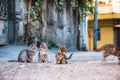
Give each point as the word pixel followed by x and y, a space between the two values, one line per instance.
pixel 70 56
pixel 12 60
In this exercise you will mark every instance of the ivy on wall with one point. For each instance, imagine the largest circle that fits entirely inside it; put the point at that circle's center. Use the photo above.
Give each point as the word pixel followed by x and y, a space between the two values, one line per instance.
pixel 34 18
pixel 84 6
pixel 36 11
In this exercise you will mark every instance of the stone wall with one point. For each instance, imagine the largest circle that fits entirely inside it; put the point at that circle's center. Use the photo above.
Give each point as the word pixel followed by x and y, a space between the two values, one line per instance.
pixel 61 27
pixel 21 11
pixel 3 31
pixel 3 22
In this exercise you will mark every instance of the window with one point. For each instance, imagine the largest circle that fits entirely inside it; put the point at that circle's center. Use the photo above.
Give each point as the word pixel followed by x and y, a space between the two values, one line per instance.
pixel 99 35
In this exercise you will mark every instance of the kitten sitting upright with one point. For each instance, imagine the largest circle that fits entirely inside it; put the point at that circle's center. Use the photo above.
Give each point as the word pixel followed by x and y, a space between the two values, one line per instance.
pixel 26 55
pixel 61 57
pixel 42 56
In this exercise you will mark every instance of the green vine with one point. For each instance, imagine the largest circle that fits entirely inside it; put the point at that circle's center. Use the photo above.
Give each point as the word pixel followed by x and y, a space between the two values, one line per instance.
pixel 61 4
pixel 83 6
pixel 34 18
pixel 34 12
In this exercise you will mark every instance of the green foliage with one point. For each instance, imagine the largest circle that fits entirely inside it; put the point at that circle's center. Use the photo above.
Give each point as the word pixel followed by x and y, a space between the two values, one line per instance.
pixel 51 44
pixel 74 4
pixel 84 6
pixel 34 12
pixel 61 4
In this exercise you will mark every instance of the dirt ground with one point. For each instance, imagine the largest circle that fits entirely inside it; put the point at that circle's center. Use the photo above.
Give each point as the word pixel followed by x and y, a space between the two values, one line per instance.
pixel 82 66
pixel 78 70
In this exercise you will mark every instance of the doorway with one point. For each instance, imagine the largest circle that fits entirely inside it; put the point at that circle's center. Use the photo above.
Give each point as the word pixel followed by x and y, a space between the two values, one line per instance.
pixel 117 36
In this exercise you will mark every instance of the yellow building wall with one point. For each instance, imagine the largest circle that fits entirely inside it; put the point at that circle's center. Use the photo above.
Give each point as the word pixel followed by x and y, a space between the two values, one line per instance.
pixel 106 36
pixel 90 38
pixel 106 33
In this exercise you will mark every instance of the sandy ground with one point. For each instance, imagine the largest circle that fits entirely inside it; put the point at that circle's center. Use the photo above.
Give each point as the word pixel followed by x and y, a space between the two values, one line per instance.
pixel 82 70
pixel 82 66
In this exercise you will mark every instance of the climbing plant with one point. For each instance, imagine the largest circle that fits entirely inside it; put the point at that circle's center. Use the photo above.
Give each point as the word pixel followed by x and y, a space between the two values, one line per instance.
pixel 36 11
pixel 83 6
pixel 37 8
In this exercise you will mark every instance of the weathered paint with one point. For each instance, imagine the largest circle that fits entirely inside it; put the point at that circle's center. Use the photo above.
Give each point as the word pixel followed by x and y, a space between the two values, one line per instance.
pixel 106 33
pixel 3 32
pixel 105 16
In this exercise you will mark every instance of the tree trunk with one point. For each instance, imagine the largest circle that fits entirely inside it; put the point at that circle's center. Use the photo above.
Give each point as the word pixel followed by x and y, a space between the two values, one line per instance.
pixel 27 26
pixel 29 7
pixel 43 21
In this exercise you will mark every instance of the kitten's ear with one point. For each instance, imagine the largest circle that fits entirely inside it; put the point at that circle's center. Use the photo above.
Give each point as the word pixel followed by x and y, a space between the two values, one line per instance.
pixel 45 56
pixel 114 48
pixel 32 44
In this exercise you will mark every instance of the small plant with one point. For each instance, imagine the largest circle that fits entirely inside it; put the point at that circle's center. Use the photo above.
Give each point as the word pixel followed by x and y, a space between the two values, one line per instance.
pixel 51 44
